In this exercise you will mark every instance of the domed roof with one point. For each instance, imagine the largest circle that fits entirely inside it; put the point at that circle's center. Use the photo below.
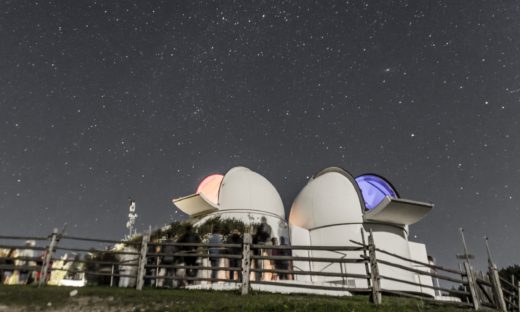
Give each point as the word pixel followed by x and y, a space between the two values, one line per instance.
pixel 330 197
pixel 374 189
pixel 243 189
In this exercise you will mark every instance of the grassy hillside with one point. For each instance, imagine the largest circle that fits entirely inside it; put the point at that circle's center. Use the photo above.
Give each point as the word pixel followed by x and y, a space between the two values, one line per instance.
pixel 20 298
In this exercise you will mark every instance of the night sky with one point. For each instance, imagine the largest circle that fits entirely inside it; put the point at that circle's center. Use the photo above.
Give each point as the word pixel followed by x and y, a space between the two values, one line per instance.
pixel 101 100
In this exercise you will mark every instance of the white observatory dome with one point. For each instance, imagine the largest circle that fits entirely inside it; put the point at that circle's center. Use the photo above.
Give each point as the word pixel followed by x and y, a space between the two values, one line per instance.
pixel 331 197
pixel 243 189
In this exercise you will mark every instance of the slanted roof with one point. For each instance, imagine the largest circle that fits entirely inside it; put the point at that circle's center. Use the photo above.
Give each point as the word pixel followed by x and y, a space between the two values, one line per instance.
pixel 398 211
pixel 195 205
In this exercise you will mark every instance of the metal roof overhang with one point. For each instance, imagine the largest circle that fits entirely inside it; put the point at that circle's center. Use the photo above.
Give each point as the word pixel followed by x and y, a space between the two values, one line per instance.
pixel 398 211
pixel 195 205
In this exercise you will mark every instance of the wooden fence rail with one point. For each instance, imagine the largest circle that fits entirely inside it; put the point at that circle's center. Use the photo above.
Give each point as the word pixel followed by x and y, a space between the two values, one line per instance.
pixel 96 251
pixel 429 265
pixel 421 272
pixel 22 247
pixel 432 300
pixel 97 240
pixel 26 238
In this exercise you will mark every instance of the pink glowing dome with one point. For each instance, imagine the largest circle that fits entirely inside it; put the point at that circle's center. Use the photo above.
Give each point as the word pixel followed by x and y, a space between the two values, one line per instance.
pixel 210 187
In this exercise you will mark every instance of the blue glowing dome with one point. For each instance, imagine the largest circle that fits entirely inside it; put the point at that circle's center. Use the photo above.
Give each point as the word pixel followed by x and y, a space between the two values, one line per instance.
pixel 374 189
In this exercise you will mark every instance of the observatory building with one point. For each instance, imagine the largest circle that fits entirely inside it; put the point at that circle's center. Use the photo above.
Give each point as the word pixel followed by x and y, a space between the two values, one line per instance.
pixel 240 194
pixel 333 209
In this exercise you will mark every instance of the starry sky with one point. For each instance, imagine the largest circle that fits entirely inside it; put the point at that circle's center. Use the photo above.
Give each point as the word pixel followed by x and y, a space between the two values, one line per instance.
pixel 102 100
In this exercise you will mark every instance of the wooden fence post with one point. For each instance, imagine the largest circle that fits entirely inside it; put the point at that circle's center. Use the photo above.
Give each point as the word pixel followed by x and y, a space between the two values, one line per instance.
pixel 497 288
pixel 246 262
pixel 48 258
pixel 141 270
pixel 365 256
pixel 112 276
pixel 472 284
pixel 518 295
pixel 513 295
pixel 374 271
pixel 495 280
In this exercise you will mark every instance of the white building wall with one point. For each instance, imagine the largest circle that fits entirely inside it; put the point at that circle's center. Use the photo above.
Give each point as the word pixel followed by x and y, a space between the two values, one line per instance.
pixel 392 239
pixel 387 237
pixel 338 235
pixel 300 237
pixel 418 253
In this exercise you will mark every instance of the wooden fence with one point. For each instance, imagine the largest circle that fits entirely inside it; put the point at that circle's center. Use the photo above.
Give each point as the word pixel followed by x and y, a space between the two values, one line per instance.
pixel 143 263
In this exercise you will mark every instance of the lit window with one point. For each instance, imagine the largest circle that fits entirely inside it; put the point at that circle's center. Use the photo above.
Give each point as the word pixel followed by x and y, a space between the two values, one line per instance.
pixel 374 189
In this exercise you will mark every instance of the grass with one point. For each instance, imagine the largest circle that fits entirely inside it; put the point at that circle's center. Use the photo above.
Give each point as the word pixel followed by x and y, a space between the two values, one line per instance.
pixel 25 298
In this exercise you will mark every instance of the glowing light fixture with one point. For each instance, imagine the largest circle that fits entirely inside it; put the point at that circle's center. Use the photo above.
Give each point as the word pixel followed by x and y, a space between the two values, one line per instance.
pixel 374 189
pixel 210 187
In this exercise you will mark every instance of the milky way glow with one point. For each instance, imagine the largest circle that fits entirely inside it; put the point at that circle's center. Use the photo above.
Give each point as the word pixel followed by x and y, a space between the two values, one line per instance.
pixel 210 187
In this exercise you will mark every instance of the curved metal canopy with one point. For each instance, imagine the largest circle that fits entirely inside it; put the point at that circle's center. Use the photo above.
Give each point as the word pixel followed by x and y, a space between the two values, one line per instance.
pixel 398 211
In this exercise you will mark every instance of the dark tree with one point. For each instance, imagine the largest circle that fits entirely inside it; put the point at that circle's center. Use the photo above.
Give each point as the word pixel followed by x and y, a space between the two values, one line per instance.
pixel 98 267
pixel 512 270
pixel 221 226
